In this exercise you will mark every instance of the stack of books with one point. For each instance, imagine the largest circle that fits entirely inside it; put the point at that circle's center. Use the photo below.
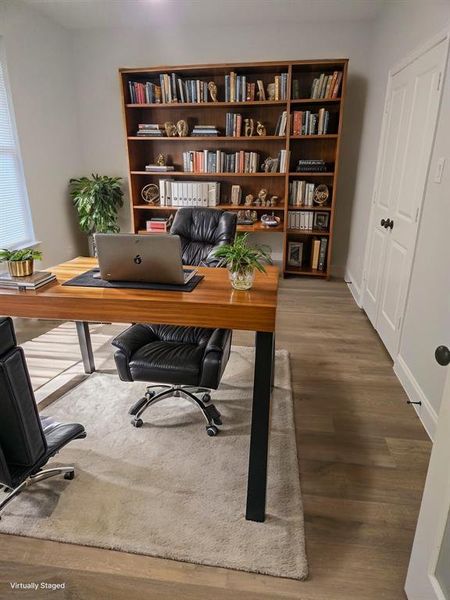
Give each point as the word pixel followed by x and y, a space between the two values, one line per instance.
pixel 301 193
pixel 29 282
pixel 149 130
pixel 159 168
pixel 205 131
pixel 233 125
pixel 326 86
pixel 174 89
pixel 189 193
pixel 306 122
pixel 157 225
pixel 217 161
pixel 313 166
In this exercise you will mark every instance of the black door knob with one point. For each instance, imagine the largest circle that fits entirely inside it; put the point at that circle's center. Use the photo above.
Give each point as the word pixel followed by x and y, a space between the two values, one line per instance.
pixel 383 223
pixel 390 224
pixel 442 355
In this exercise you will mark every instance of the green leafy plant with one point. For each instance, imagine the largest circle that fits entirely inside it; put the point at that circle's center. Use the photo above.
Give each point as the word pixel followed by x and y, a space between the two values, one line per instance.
pixel 20 255
pixel 240 257
pixel 97 200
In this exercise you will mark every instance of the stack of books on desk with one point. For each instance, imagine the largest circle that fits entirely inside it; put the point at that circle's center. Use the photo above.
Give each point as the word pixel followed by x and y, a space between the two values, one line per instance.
pixel 29 282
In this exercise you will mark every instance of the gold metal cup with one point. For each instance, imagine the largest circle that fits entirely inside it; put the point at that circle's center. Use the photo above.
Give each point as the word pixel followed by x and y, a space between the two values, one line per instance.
pixel 20 268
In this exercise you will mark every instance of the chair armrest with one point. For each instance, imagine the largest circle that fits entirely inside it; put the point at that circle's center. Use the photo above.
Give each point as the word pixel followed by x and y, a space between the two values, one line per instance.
pixel 133 338
pixel 213 261
pixel 218 340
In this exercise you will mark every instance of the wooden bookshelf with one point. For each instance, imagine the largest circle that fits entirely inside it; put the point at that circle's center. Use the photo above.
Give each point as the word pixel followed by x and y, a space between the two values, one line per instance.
pixel 143 150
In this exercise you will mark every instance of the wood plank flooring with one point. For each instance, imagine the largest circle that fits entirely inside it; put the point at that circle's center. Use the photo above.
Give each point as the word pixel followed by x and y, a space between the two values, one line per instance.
pixel 363 456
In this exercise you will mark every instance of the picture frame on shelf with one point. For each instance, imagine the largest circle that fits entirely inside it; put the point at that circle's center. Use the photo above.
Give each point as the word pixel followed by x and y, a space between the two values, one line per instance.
pixel 295 254
pixel 321 221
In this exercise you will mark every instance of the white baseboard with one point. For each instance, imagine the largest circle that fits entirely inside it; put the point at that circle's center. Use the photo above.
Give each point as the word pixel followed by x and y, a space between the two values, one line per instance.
pixel 354 288
pixel 425 411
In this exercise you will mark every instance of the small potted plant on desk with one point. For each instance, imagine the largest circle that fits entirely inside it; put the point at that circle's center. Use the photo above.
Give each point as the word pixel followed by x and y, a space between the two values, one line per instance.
pixel 20 262
pixel 242 260
pixel 97 200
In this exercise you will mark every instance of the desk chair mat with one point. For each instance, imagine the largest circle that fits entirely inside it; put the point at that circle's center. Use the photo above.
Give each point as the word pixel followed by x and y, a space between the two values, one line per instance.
pixel 87 280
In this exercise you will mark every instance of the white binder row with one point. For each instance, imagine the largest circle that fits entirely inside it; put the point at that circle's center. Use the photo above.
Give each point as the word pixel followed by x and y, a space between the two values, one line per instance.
pixel 189 193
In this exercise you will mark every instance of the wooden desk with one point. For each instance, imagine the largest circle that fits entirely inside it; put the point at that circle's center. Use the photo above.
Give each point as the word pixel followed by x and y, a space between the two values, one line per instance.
pixel 212 304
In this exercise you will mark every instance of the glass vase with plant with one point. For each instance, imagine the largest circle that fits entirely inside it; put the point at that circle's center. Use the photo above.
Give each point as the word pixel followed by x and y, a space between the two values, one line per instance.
pixel 20 262
pixel 242 260
pixel 97 200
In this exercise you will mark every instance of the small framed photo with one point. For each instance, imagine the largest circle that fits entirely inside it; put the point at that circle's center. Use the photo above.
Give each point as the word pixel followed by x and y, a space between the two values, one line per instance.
pixel 321 220
pixel 295 254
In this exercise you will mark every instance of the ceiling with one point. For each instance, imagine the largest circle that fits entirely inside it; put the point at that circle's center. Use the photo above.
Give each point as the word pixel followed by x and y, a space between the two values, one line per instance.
pixel 88 14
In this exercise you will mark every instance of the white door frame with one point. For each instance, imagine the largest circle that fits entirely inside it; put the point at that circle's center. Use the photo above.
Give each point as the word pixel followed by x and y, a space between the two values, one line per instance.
pixel 421 581
pixel 444 36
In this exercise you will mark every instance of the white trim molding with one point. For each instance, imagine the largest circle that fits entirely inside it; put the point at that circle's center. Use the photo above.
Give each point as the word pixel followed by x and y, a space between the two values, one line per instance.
pixel 425 411
pixel 354 288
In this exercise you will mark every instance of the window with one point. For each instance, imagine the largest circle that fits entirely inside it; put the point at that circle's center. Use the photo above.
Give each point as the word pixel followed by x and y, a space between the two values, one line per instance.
pixel 16 228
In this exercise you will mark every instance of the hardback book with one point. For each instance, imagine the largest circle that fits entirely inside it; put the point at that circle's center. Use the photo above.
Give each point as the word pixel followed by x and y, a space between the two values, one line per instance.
pixel 315 254
pixel 322 253
pixel 29 282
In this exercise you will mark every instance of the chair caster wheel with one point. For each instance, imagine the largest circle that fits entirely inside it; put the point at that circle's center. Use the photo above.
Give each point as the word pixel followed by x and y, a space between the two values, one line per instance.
pixel 212 430
pixel 206 398
pixel 137 422
pixel 69 476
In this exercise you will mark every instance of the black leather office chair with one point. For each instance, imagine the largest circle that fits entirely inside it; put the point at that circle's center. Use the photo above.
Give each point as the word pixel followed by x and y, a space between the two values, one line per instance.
pixel 182 361
pixel 27 442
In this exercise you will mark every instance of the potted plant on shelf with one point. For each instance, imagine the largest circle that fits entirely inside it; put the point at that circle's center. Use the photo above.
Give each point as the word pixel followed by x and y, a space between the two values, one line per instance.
pixel 242 260
pixel 97 200
pixel 20 262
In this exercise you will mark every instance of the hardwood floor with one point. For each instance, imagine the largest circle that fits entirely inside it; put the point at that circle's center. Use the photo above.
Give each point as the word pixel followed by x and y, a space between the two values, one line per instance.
pixel 363 456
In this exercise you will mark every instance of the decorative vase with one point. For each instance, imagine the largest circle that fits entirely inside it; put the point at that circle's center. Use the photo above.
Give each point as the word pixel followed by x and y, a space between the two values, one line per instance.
pixel 20 268
pixel 242 280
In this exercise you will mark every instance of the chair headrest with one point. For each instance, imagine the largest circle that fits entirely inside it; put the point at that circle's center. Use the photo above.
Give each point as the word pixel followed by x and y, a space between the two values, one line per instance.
pixel 7 335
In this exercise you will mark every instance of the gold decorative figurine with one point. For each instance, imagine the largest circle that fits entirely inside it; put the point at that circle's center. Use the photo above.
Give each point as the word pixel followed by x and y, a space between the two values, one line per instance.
pixel 182 128
pixel 262 195
pixel 260 129
pixel 248 200
pixel 161 160
pixel 212 87
pixel 171 129
pixel 271 91
pixel 249 126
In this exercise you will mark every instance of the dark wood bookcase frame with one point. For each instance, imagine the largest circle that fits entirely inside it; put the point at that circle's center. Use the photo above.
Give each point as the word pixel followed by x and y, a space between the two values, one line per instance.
pixel 142 150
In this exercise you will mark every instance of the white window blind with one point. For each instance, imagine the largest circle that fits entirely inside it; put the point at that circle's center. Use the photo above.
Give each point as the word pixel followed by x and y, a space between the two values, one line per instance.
pixel 16 228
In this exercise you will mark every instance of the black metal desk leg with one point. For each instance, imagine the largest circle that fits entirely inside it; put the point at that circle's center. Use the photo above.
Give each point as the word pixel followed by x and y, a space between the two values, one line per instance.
pixel 84 338
pixel 259 437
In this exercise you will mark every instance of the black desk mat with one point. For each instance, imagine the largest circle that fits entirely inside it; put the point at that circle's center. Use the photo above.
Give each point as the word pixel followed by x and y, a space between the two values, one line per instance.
pixel 87 279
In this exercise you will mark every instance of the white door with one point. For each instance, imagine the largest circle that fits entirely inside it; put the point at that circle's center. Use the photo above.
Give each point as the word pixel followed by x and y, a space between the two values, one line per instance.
pixel 412 106
pixel 429 568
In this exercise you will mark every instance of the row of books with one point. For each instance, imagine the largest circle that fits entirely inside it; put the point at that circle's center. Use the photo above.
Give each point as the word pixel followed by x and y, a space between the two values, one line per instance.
pixel 217 161
pixel 29 282
pixel 238 89
pixel 301 193
pixel 189 193
pixel 233 125
pixel 313 165
pixel 298 257
pixel 300 219
pixel 326 86
pixel 306 122
pixel 144 92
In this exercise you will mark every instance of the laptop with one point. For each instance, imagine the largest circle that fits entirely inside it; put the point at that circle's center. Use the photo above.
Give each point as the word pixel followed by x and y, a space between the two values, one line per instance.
pixel 154 258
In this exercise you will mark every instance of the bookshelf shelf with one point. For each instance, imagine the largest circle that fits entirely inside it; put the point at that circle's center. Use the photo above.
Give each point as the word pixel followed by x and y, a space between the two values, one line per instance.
pixel 299 78
pixel 174 105
pixel 213 139
pixel 208 175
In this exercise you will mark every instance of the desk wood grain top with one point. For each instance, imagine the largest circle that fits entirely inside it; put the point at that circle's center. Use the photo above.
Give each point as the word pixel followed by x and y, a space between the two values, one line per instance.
pixel 213 303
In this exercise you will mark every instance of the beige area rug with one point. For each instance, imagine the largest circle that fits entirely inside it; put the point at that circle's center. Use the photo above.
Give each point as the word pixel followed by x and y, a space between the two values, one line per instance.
pixel 167 489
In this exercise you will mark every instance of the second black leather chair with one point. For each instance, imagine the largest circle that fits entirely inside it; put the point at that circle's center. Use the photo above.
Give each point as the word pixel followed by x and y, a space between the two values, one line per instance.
pixel 182 361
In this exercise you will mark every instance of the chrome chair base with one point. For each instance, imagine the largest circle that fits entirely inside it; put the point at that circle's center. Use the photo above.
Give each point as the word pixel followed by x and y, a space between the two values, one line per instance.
pixel 210 412
pixel 67 472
